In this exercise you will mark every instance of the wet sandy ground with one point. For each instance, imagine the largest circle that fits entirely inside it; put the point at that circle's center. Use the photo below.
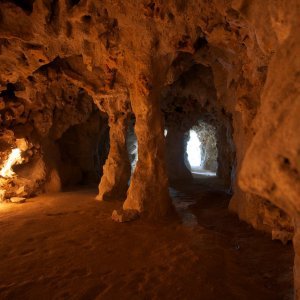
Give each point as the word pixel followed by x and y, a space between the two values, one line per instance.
pixel 65 246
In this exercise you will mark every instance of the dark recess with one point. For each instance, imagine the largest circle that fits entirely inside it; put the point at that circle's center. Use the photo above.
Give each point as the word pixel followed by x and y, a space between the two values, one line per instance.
pixel 200 43
pixel 26 5
pixel 73 2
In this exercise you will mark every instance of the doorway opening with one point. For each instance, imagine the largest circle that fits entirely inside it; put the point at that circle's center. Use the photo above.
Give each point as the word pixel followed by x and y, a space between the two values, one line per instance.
pixel 201 150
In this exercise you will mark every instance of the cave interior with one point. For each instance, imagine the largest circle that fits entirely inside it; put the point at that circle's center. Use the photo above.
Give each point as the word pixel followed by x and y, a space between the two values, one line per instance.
pixel 149 149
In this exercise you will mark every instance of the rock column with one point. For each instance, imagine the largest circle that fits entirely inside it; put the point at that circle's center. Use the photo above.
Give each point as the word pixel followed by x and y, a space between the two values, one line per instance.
pixel 116 171
pixel 175 151
pixel 148 191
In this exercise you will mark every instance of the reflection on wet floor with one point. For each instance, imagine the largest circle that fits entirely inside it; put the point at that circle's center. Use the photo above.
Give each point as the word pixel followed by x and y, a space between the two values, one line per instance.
pixel 182 202
pixel 204 172
pixel 199 171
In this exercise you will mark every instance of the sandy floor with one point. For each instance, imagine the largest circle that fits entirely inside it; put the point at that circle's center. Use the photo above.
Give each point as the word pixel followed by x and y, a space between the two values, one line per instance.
pixel 65 246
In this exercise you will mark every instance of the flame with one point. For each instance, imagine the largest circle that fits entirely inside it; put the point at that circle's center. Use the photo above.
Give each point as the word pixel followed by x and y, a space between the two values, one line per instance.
pixel 14 158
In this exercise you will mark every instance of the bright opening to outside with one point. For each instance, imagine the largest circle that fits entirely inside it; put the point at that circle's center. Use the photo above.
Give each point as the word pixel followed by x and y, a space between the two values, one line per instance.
pixel 194 150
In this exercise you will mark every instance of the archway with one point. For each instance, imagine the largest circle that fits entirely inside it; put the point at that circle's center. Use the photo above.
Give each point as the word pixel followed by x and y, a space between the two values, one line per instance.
pixel 201 150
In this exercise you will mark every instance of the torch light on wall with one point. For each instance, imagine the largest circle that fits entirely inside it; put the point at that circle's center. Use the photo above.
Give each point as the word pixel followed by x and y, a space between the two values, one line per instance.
pixel 6 171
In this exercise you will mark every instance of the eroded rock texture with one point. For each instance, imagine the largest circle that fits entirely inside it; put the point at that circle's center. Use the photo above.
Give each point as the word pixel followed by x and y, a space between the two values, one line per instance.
pixel 232 64
pixel 209 154
pixel 175 155
pixel 116 171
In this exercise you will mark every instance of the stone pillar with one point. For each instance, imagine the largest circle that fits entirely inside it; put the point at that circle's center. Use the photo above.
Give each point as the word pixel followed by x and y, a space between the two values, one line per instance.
pixel 148 191
pixel 226 154
pixel 116 171
pixel 175 151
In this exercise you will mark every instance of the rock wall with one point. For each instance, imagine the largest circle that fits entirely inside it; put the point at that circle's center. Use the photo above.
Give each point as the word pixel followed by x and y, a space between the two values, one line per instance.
pixel 175 154
pixel 207 136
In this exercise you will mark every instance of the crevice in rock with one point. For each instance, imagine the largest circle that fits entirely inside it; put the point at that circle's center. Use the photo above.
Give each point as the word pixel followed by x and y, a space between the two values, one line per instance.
pixel 73 2
pixel 26 5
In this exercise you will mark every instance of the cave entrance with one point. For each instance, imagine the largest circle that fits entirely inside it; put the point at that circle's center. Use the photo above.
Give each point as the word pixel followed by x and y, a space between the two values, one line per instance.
pixel 201 150
pixel 193 150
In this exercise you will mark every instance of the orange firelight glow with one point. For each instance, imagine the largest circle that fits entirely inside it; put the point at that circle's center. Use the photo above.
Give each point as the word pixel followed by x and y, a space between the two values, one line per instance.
pixel 14 158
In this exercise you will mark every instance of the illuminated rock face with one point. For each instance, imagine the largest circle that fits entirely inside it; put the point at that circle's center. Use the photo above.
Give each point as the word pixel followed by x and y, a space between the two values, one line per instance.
pixel 234 64
pixel 207 136
pixel 149 194
pixel 116 171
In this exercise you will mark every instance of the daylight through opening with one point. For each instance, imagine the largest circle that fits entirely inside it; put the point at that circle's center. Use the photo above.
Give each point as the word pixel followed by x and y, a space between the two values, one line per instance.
pixel 193 150
pixel 201 149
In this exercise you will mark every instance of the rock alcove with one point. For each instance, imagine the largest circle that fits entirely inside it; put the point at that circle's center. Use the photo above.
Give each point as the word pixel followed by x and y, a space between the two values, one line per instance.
pixel 111 94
